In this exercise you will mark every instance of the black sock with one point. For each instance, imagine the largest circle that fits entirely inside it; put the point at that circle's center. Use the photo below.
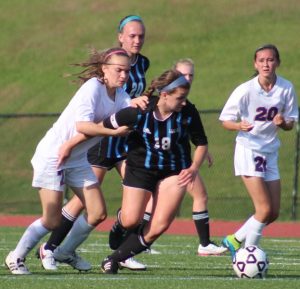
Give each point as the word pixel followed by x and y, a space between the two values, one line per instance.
pixel 133 245
pixel 146 219
pixel 118 225
pixel 58 235
pixel 201 221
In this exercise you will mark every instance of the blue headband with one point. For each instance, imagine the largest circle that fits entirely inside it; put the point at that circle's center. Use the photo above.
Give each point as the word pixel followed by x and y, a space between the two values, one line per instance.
pixel 181 80
pixel 128 19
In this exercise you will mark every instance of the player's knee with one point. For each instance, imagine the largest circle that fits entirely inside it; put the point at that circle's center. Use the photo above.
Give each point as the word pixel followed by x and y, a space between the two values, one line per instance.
pixel 158 228
pixel 52 223
pixel 265 214
pixel 95 218
pixel 129 222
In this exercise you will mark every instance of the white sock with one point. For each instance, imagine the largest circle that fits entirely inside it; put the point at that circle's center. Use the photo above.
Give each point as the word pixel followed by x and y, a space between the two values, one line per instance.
pixel 254 232
pixel 241 233
pixel 33 234
pixel 78 234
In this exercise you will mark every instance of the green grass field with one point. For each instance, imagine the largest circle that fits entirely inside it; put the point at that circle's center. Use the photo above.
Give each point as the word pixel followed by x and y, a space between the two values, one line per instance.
pixel 176 267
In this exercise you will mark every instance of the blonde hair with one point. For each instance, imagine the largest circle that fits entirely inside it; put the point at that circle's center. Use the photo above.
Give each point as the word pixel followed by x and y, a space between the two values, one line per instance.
pixel 187 61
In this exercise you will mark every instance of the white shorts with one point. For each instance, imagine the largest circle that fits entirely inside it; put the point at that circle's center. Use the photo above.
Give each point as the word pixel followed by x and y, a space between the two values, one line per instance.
pixel 252 163
pixel 78 177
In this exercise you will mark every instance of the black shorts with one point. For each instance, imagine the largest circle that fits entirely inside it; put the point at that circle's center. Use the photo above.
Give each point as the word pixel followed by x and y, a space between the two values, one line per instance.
pixel 145 179
pixel 97 160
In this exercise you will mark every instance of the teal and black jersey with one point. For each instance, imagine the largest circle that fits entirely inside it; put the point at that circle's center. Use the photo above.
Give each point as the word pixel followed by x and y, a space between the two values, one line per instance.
pixel 136 84
pixel 161 144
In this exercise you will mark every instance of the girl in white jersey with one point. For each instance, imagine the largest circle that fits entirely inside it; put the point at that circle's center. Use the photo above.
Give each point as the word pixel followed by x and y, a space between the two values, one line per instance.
pixel 54 166
pixel 107 155
pixel 257 109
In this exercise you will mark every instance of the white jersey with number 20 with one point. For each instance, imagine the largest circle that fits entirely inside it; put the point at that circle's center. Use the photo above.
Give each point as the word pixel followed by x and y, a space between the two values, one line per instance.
pixel 251 103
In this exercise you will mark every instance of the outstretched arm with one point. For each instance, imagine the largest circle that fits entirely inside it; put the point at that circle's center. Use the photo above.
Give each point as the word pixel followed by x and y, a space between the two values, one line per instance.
pixel 87 130
pixel 124 117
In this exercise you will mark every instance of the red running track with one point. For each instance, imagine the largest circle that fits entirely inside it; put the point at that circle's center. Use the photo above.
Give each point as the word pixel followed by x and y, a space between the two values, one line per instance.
pixel 179 226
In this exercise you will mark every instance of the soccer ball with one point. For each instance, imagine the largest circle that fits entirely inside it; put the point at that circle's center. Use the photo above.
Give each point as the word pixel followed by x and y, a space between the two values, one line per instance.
pixel 250 262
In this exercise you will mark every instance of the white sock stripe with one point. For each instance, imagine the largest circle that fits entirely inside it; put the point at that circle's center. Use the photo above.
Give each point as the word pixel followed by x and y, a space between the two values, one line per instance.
pixel 119 217
pixel 141 239
pixel 67 215
pixel 200 216
pixel 147 217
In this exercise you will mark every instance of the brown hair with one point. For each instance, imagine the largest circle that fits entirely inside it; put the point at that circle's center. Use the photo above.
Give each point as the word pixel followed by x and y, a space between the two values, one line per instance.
pixel 93 66
pixel 163 80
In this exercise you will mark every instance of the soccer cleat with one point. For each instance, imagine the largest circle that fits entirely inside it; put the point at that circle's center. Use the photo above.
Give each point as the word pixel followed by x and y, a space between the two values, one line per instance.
pixel 109 266
pixel 232 244
pixel 211 250
pixel 132 264
pixel 117 235
pixel 72 259
pixel 46 256
pixel 152 251
pixel 16 266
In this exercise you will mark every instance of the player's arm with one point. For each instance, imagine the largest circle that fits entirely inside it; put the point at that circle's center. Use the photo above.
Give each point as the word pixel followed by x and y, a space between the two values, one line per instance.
pixel 85 131
pixel 237 125
pixel 125 117
pixel 97 129
pixel 199 139
pixel 66 148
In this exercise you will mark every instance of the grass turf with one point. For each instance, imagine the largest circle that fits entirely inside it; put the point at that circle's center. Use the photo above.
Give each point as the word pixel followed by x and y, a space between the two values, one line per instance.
pixel 177 266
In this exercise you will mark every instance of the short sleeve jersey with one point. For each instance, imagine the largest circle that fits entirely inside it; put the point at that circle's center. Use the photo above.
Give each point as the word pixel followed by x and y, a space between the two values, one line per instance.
pixel 114 147
pixel 251 103
pixel 90 103
pixel 165 144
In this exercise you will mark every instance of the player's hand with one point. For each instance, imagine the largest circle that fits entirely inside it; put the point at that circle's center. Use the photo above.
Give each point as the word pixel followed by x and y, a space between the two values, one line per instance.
pixel 186 177
pixel 122 131
pixel 245 126
pixel 141 102
pixel 63 153
pixel 278 119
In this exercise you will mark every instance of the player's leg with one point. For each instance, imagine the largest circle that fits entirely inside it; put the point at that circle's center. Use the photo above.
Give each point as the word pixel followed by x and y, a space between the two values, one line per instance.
pixel 118 233
pixel 274 187
pixel 92 198
pixel 70 212
pixel 261 199
pixel 166 203
pixel 51 205
pixel 96 213
pixel 250 231
pixel 167 200
pixel 249 165
pixel 201 219
pixel 137 188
